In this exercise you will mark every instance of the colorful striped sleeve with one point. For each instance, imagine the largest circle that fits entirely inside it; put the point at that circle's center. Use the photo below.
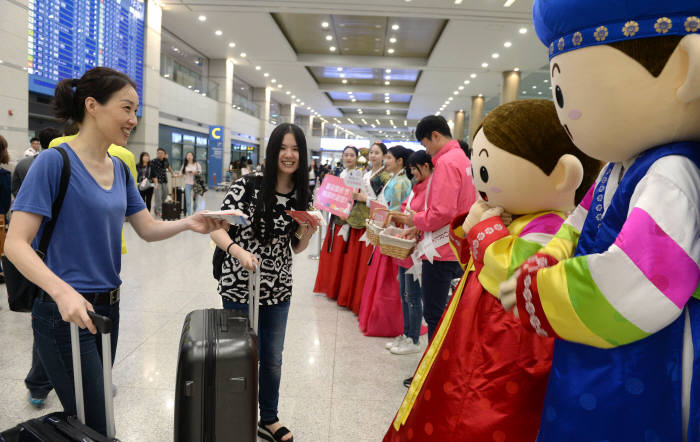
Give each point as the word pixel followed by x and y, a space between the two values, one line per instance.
pixel 642 282
pixel 564 242
pixel 502 257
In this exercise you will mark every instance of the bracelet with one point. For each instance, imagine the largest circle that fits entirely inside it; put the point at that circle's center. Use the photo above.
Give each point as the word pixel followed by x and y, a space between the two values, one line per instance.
pixel 229 247
pixel 299 237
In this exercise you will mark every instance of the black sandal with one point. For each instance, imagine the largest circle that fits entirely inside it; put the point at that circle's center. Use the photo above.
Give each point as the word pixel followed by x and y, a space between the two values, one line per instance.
pixel 277 436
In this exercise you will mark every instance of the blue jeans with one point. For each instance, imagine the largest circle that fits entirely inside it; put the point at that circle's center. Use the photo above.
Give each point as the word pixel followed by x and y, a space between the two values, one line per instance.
pixel 411 304
pixel 272 325
pixel 52 340
pixel 436 288
pixel 189 202
pixel 37 381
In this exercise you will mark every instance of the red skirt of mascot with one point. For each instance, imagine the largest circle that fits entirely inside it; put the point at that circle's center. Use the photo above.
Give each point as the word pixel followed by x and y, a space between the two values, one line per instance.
pixel 483 376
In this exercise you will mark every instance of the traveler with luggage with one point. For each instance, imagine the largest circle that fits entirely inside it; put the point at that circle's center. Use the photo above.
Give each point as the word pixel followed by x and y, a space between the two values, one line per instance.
pixel 267 240
pixel 190 168
pixel 146 174
pixel 91 195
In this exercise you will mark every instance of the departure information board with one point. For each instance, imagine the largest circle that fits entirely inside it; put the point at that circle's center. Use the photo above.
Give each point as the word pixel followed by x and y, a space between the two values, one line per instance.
pixel 69 37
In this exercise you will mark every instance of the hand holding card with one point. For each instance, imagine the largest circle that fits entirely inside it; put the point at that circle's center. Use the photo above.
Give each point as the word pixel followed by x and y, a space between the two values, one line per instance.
pixel 314 218
pixel 234 217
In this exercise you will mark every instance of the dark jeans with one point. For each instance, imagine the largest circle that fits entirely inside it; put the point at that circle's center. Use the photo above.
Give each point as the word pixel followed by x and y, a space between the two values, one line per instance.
pixel 436 288
pixel 37 381
pixel 272 325
pixel 147 195
pixel 411 304
pixel 52 340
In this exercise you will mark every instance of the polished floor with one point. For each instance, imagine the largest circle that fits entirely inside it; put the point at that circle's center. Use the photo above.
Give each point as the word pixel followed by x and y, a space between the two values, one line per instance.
pixel 337 385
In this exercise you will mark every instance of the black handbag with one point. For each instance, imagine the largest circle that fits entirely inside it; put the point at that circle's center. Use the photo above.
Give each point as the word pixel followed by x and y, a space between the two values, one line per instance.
pixel 20 291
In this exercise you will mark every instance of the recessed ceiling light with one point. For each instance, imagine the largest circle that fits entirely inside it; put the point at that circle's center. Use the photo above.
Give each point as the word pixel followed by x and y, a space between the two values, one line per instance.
pixel 540 93
pixel 266 75
pixel 467 81
pixel 387 101
pixel 354 100
pixel 388 71
pixel 329 37
pixel 395 27
pixel 388 112
pixel 345 81
pixel 218 33
pixel 243 55
pixel 280 85
pixel 342 75
pixel 461 88
pixel 390 50
pixel 232 45
pixel 176 49
pixel 332 48
pixel 516 69
pixel 455 93
pixel 273 81
pixel 473 75
pixel 392 40
pixel 484 65
pixel 387 77
pixel 458 2
pixel 495 55
pixel 481 95
pixel 293 97
pixel 546 81
pixel 534 87
pixel 202 18
pixel 450 99
pixel 523 30
pixel 340 69
pixel 507 44
pixel 349 93
pixel 257 68
pixel 508 3
pixel 324 24
pixel 387 83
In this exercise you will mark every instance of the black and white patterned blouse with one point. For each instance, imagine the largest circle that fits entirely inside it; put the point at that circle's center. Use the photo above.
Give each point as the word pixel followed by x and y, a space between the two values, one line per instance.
pixel 275 258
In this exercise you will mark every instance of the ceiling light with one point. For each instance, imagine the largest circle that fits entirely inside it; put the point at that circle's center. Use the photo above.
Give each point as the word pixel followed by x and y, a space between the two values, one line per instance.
pixel 273 81
pixel 294 96
pixel 266 75
pixel 523 30
pixel 349 93
pixel 473 75
pixel 516 69
pixel 546 81
pixel 392 40
pixel 524 92
pixel 507 44
pixel 176 50
pixel 232 45
pixel 166 75
pixel 332 48
pixel 481 95
pixel 456 92
pixel 280 85
pixel 458 2
pixel 354 100
pixel 534 87
pixel 388 112
pixel 540 93
pixel 387 83
pixel 329 37
pixel 395 27
pixel 467 81
pixel 345 81
pixel 461 88
pixel 450 99
pixel 388 71
pixel 484 65
pixel 386 94
pixel 218 33
pixel 388 77
pixel 495 55
pixel 257 68
pixel 324 24
pixel 391 50
pixel 342 75
pixel 298 100
pixel 243 55
pixel 387 101
pixel 202 18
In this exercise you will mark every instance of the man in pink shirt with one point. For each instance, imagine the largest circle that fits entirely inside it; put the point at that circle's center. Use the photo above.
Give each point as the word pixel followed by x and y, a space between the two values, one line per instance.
pixel 450 192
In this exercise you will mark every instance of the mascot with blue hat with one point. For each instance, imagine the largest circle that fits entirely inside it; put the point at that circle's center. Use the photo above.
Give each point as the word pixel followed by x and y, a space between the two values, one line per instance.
pixel 618 285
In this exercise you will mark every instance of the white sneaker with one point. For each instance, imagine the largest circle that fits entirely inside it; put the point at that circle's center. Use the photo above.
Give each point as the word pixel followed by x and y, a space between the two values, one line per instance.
pixel 407 347
pixel 396 341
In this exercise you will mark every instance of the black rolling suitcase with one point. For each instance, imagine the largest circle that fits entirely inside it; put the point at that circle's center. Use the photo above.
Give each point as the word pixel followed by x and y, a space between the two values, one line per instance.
pixel 58 427
pixel 216 396
pixel 171 210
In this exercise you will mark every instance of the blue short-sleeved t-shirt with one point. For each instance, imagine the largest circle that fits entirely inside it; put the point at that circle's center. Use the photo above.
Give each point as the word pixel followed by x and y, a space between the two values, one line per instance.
pixel 85 248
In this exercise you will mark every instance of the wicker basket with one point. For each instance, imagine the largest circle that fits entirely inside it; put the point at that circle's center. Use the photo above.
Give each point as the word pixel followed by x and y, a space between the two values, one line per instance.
pixel 394 247
pixel 374 229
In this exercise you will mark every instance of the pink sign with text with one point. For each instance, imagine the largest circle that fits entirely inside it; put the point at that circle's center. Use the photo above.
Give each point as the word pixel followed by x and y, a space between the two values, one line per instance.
pixel 334 197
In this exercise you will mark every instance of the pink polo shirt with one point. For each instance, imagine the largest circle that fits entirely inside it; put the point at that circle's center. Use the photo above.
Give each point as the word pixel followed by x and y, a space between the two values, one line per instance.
pixel 451 193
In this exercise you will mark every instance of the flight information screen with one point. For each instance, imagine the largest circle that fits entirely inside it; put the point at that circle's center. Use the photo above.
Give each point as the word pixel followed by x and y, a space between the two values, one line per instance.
pixel 69 37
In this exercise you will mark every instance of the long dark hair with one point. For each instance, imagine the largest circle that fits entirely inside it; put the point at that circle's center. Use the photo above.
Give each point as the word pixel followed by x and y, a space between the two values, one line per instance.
pixel 404 153
pixel 99 83
pixel 265 204
pixel 143 154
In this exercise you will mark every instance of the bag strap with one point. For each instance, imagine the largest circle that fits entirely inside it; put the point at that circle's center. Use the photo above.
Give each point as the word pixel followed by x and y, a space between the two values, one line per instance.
pixel 57 204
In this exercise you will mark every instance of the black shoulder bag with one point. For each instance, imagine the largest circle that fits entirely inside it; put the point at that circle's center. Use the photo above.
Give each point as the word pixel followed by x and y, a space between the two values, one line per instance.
pixel 20 291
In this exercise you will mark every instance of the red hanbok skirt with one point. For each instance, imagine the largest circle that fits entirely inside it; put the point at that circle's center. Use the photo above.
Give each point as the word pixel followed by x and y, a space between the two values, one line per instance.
pixel 380 309
pixel 488 380
pixel 330 264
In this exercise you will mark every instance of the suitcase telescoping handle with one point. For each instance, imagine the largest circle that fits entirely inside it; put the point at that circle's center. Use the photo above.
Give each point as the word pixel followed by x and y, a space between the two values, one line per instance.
pixel 104 327
pixel 254 297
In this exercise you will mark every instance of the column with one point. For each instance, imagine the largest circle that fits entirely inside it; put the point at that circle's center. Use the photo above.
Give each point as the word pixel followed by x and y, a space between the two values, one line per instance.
pixel 145 137
pixel 310 127
pixel 335 132
pixel 261 97
pixel 287 113
pixel 323 129
pixel 475 115
pixel 458 133
pixel 510 86
pixel 14 106
pixel 221 72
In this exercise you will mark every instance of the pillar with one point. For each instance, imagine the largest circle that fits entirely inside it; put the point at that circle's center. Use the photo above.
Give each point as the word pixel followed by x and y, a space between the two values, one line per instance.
pixel 476 114
pixel 510 87
pixel 287 112
pixel 323 129
pixel 145 137
pixel 335 132
pixel 310 127
pixel 458 133
pixel 14 106
pixel 221 71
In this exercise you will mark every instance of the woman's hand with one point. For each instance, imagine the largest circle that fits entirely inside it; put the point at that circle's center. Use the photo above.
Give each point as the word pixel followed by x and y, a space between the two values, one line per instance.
pixel 247 259
pixel 411 233
pixel 305 231
pixel 73 308
pixel 359 196
pixel 204 224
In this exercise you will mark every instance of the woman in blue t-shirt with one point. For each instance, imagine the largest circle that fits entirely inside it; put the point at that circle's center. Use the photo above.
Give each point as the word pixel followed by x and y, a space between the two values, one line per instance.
pixel 83 261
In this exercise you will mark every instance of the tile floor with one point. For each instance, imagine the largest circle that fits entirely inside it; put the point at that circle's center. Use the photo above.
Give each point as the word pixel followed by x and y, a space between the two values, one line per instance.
pixel 337 385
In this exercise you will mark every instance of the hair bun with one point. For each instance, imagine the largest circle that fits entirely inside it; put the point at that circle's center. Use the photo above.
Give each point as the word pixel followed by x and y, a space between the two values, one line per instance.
pixel 74 82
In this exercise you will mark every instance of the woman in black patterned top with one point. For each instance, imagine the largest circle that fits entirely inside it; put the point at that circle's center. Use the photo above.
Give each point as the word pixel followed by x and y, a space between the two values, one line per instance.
pixel 269 240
